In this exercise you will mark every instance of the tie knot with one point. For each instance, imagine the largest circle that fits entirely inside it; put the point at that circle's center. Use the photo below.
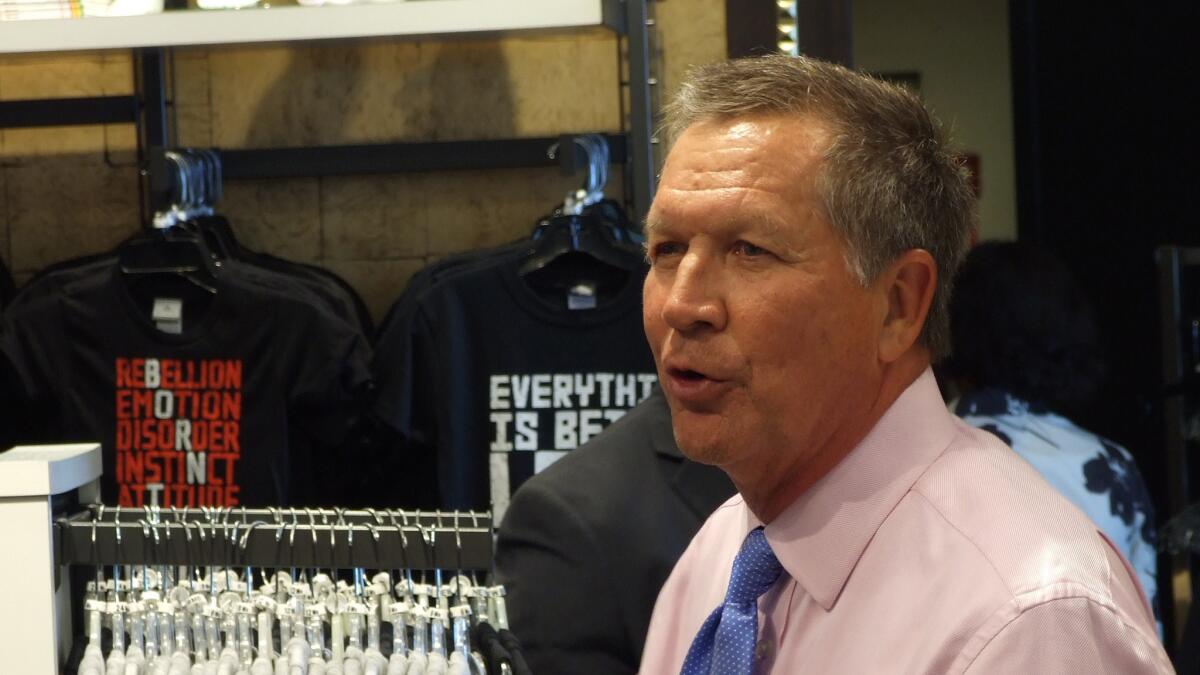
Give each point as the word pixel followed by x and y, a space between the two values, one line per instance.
pixel 755 569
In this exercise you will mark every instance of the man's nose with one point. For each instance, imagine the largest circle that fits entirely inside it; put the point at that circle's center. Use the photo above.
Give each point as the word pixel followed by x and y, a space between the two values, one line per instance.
pixel 695 301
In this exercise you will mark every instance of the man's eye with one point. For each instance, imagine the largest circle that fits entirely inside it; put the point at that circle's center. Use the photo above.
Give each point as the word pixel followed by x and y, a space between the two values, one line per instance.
pixel 665 248
pixel 749 250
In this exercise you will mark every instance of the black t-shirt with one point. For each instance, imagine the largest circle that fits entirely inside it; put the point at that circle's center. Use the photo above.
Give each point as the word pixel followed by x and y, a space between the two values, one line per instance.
pixel 7 288
pixel 500 379
pixel 344 300
pixel 309 281
pixel 222 413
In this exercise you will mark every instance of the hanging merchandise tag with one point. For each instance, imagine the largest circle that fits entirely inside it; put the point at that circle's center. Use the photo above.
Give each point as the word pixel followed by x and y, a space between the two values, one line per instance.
pixel 179 596
pixel 582 296
pixel 197 603
pixel 168 315
pixel 417 614
pixel 398 611
pixel 463 586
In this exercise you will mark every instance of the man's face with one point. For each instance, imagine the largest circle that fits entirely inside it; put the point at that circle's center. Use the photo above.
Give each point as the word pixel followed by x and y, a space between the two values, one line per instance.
pixel 765 342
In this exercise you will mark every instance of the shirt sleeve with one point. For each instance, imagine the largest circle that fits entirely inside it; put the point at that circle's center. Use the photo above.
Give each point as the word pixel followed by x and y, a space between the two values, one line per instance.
pixel 30 348
pixel 28 343
pixel 1070 635
pixel 393 363
pixel 330 381
pixel 331 373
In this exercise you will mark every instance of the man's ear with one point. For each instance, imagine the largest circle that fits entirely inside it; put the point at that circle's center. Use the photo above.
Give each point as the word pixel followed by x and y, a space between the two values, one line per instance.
pixel 908 286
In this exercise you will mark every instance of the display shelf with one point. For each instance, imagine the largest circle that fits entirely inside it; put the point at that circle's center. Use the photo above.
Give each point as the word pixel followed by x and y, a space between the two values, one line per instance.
pixel 40 470
pixel 413 19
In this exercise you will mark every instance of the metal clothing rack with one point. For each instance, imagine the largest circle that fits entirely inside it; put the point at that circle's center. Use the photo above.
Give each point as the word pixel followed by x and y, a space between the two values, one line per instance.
pixel 344 160
pixel 277 537
pixel 40 487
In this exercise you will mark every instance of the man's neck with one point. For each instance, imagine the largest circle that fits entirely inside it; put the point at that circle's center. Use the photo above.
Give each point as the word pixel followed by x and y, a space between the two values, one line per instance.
pixel 768 499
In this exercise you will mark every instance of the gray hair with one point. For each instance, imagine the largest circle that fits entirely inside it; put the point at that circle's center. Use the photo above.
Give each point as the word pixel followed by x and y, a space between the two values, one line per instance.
pixel 889 181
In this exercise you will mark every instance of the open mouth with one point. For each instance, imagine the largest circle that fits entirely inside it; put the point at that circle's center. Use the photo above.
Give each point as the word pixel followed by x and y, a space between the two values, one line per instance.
pixel 687 375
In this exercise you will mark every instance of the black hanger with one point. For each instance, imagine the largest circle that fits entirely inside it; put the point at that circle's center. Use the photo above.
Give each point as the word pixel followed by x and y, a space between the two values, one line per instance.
pixel 216 233
pixel 586 223
pixel 585 233
pixel 169 248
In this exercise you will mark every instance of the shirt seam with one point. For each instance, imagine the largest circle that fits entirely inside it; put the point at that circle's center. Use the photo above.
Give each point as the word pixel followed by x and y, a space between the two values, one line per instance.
pixel 946 519
pixel 1023 611
pixel 912 487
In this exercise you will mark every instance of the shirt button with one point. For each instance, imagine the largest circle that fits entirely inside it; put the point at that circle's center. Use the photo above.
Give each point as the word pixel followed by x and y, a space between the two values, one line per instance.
pixel 762 649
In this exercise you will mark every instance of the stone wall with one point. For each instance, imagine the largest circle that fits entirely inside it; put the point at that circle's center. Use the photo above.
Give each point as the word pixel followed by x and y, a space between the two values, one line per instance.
pixel 71 191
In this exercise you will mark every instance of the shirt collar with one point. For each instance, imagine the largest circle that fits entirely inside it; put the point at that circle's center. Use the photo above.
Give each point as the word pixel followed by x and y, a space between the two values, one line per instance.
pixel 821 536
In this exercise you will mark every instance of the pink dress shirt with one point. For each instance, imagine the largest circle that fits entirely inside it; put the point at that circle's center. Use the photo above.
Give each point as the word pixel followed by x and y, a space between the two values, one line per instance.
pixel 931 548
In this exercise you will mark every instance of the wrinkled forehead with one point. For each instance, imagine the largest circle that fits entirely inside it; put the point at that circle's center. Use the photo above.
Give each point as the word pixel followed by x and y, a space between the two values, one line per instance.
pixel 750 169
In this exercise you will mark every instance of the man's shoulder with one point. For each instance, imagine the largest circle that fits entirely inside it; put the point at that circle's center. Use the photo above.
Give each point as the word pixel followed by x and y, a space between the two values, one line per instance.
pixel 1028 533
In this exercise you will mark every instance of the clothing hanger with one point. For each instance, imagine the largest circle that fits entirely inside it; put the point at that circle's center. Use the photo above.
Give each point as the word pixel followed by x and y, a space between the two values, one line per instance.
pixel 93 607
pixel 399 610
pixel 166 248
pixel 572 229
pixel 215 228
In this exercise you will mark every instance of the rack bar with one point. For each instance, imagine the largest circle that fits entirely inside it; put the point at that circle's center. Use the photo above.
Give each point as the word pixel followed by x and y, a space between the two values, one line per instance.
pixel 153 89
pixel 152 132
pixel 1171 261
pixel 345 160
pixel 54 112
pixel 642 163
pixel 299 538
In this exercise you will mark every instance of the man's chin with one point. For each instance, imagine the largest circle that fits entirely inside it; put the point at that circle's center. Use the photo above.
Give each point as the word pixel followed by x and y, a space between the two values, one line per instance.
pixel 705 448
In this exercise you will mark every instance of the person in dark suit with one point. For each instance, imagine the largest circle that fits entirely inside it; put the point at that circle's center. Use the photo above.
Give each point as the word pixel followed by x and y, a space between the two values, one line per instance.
pixel 586 544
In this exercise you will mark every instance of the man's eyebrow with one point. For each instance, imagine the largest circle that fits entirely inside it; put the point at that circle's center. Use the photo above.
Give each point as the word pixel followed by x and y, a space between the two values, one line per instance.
pixel 652 224
pixel 768 223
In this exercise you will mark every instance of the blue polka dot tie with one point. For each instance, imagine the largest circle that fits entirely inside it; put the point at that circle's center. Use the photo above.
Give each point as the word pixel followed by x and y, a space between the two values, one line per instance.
pixel 725 643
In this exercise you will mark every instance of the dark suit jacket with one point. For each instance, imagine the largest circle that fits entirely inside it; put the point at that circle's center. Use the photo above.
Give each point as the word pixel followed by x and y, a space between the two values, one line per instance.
pixel 586 544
